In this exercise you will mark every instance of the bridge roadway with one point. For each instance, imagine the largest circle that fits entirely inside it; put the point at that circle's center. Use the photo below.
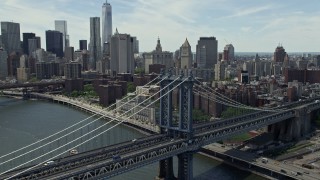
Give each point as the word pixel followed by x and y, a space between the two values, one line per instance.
pixel 141 155
pixel 33 84
pixel 92 156
pixel 223 122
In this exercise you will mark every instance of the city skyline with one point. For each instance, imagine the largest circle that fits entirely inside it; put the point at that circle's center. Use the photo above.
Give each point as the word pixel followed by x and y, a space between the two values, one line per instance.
pixel 250 27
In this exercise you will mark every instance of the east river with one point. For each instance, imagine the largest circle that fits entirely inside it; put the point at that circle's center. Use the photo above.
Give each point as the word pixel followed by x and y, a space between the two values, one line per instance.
pixel 25 122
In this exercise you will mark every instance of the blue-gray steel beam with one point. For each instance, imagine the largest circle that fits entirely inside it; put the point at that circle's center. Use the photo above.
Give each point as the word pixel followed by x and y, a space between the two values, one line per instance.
pixel 185 166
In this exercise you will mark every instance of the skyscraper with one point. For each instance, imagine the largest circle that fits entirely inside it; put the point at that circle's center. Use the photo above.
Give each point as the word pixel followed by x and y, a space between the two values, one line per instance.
pixel 207 52
pixel 279 54
pixel 228 52
pixel 23 72
pixel 25 43
pixel 106 24
pixel 135 45
pixel 186 55
pixel 10 34
pixel 32 45
pixel 121 52
pixel 61 26
pixel 83 45
pixel 257 68
pixel 69 54
pixel 95 42
pixel 85 60
pixel 38 41
pixel 219 70
pixel 3 64
pixel 13 63
pixel 54 42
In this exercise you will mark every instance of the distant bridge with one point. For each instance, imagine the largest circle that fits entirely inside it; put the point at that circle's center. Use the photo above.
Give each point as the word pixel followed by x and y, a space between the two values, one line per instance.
pixel 32 84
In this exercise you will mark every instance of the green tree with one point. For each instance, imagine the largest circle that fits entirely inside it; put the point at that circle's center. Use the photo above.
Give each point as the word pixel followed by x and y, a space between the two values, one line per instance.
pixel 88 87
pixel 198 115
pixel 130 87
pixel 239 137
pixel 74 93
pixel 33 79
pixel 89 91
pixel 232 112
pixel 139 70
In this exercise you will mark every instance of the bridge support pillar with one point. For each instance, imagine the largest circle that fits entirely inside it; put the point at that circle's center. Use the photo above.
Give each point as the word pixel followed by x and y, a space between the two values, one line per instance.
pixel 279 130
pixel 169 168
pixel 166 169
pixel 162 169
pixel 185 166
pixel 294 128
pixel 299 125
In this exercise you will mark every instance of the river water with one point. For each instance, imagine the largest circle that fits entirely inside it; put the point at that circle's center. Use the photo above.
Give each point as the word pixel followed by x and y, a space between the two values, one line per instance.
pixel 24 122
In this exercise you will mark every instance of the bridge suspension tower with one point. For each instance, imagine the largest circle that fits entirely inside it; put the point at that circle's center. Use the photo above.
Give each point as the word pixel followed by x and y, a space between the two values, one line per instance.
pixel 179 126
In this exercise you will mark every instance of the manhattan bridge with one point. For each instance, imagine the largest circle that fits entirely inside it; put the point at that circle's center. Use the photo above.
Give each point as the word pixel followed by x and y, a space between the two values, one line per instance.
pixel 49 158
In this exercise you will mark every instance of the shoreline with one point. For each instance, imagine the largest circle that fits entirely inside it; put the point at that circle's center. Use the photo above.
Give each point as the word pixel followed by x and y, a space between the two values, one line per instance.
pixel 11 96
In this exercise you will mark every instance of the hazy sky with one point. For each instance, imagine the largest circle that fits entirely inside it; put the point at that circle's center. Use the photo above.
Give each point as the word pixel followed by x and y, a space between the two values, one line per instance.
pixel 250 25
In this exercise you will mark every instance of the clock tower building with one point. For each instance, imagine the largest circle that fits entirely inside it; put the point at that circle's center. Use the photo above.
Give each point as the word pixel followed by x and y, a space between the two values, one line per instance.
pixel 186 55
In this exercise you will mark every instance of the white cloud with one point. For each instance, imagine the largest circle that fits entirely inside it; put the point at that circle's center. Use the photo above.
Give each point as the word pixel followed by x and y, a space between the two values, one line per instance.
pixel 249 11
pixel 39 16
pixel 173 21
pixel 246 29
pixel 250 28
pixel 272 24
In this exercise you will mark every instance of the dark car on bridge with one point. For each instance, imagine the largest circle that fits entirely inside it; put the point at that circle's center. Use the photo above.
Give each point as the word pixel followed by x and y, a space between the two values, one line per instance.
pixel 116 157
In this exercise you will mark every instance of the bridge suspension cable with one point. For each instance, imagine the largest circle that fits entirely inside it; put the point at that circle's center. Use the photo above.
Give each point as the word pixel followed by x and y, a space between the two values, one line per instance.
pixel 225 101
pixel 120 121
pixel 221 96
pixel 106 109
pixel 228 104
pixel 233 103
